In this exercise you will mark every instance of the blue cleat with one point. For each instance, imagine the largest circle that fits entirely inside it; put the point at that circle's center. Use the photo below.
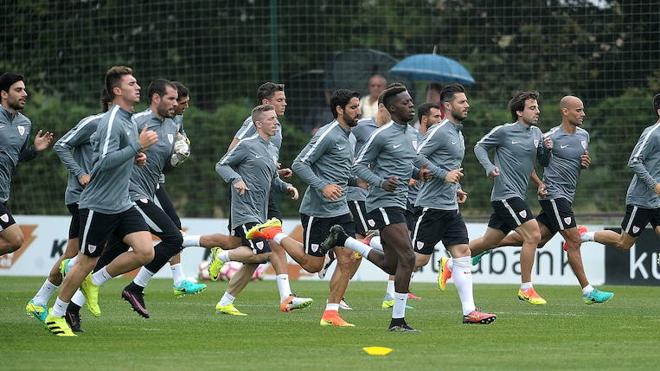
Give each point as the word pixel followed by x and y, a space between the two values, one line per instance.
pixel 477 258
pixel 187 287
pixel 39 312
pixel 597 296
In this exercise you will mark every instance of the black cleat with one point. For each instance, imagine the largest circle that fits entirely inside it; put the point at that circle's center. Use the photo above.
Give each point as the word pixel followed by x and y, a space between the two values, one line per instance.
pixel 400 325
pixel 336 237
pixel 73 319
pixel 136 300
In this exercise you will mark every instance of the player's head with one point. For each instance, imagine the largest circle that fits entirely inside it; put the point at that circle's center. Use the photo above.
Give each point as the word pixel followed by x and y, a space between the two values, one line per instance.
pixel 121 85
pixel 345 106
pixel 433 93
pixel 429 114
pixel 524 107
pixel 656 104
pixel 454 101
pixel 106 101
pixel 377 83
pixel 162 98
pixel 12 91
pixel 273 94
pixel 183 99
pixel 572 110
pixel 398 103
pixel 264 118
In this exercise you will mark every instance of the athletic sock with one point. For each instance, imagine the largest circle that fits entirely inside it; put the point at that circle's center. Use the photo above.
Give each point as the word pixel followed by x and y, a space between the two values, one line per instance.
pixel 177 274
pixel 283 286
pixel 587 290
pixel 589 236
pixel 44 293
pixel 526 286
pixel 279 237
pixel 191 240
pixel 334 307
pixel 72 261
pixel 78 298
pixel 227 299
pixel 462 275
pixel 376 243
pixel 224 256
pixel 143 277
pixel 59 308
pixel 399 309
pixel 101 277
pixel 389 293
pixel 356 246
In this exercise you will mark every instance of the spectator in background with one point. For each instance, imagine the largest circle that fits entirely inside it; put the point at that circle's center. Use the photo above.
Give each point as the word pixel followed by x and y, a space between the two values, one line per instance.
pixel 433 93
pixel 369 103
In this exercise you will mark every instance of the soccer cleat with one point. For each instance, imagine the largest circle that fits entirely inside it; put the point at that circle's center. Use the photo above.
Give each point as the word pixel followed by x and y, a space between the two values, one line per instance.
pixel 597 297
pixel 294 302
pixel 343 304
pixel 531 296
pixel 329 259
pixel 187 287
pixel 479 317
pixel 477 258
pixel 64 267
pixel 73 320
pixel 57 325
pixel 389 303
pixel 229 309
pixel 581 230
pixel 370 234
pixel 265 231
pixel 136 300
pixel 216 264
pixel 332 318
pixel 37 311
pixel 444 274
pixel 400 325
pixel 91 292
pixel 336 237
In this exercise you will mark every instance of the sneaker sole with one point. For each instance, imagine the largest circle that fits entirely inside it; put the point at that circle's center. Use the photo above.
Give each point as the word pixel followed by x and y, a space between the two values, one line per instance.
pixel 139 312
pixel 484 321
pixel 179 294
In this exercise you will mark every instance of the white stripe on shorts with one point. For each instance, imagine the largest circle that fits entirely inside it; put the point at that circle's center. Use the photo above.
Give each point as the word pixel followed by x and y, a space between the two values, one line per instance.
pixel 419 221
pixel 632 217
pixel 150 222
pixel 307 233
pixel 88 223
pixel 513 213
pixel 386 219
pixel 359 212
pixel 554 208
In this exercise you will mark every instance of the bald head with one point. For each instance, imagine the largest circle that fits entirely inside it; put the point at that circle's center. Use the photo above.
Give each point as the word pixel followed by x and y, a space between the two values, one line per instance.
pixel 572 110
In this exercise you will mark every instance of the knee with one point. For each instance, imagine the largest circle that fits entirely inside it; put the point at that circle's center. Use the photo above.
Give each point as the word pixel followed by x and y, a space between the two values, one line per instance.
pixel 15 243
pixel 573 244
pixel 407 259
pixel 534 237
pixel 145 256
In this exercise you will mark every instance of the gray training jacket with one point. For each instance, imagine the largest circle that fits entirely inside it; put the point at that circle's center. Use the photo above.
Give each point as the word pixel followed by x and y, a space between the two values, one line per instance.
pixel 115 144
pixel 14 147
pixel 516 145
pixel 253 160
pixel 389 152
pixel 442 151
pixel 326 159
pixel 415 139
pixel 76 153
pixel 561 175
pixel 144 179
pixel 645 162
pixel 360 134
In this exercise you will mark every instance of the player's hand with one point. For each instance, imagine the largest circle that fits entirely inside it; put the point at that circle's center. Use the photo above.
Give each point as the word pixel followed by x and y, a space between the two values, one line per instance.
pixel 84 179
pixel 285 173
pixel 362 183
pixel 454 176
pixel 461 196
pixel 657 189
pixel 293 192
pixel 541 190
pixel 42 140
pixel 332 192
pixel 412 182
pixel 547 143
pixel 140 159
pixel 585 160
pixel 147 138
pixel 390 183
pixel 424 174
pixel 494 173
pixel 241 187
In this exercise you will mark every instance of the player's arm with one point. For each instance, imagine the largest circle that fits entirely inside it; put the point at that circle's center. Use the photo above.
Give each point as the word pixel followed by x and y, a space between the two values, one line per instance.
pixel 544 149
pixel 430 144
pixel 302 165
pixel 224 167
pixel 27 151
pixel 111 155
pixel 644 149
pixel 66 144
pixel 367 159
pixel 490 140
pixel 540 186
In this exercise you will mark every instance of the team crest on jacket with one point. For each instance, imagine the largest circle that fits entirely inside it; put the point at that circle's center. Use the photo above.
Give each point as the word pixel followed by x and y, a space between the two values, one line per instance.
pixel 584 144
pixel 536 142
pixel 170 137
pixel 21 129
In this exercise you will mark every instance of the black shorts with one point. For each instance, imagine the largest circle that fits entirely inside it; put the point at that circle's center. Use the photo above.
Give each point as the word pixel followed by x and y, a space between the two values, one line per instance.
pixel 6 219
pixel 434 225
pixel 556 214
pixel 96 228
pixel 509 214
pixel 359 212
pixel 258 246
pixel 383 216
pixel 74 226
pixel 162 200
pixel 315 230
pixel 160 223
pixel 412 212
pixel 637 218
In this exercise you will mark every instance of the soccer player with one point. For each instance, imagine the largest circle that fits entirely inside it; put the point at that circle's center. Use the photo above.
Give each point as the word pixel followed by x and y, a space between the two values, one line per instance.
pixel 14 135
pixel 76 153
pixel 557 189
pixel 643 195
pixel 105 206
pixel 326 165
pixel 251 169
pixel 386 163
pixel 517 146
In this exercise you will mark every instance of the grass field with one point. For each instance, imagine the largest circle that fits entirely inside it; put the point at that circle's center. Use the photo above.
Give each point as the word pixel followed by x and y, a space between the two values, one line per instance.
pixel 186 334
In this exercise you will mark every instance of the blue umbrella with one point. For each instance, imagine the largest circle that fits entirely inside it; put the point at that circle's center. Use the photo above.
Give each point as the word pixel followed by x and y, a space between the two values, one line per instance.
pixel 432 67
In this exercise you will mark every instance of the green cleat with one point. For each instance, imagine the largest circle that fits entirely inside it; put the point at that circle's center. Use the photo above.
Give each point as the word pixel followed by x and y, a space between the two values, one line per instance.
pixel 597 297
pixel 229 309
pixel 477 258
pixel 57 325
pixel 187 287
pixel 389 303
pixel 64 267
pixel 91 292
pixel 216 264
pixel 37 311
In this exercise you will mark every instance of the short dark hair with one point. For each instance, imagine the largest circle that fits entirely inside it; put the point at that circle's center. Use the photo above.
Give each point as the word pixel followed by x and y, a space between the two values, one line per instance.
pixel 8 79
pixel 656 103
pixel 425 109
pixel 181 89
pixel 159 86
pixel 105 101
pixel 448 92
pixel 267 90
pixel 517 103
pixel 341 97
pixel 388 94
pixel 259 110
pixel 113 78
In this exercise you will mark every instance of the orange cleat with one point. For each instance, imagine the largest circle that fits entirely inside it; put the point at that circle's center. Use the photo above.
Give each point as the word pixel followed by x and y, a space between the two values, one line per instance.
pixel 332 318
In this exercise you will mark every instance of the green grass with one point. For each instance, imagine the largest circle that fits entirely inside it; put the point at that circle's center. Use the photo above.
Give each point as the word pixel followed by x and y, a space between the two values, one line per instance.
pixel 186 334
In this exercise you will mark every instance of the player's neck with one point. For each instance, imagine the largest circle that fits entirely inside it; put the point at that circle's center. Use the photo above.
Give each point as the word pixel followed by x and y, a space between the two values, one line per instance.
pixel 123 104
pixel 567 127
pixel 11 111
pixel 154 111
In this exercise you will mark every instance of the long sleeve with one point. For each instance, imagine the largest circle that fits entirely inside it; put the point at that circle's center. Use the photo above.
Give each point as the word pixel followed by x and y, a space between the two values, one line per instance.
pixel 231 158
pixel 279 184
pixel 73 138
pixel 430 144
pixel 27 150
pixel 490 140
pixel 302 165
pixel 111 155
pixel 643 149
pixel 543 155
pixel 366 160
